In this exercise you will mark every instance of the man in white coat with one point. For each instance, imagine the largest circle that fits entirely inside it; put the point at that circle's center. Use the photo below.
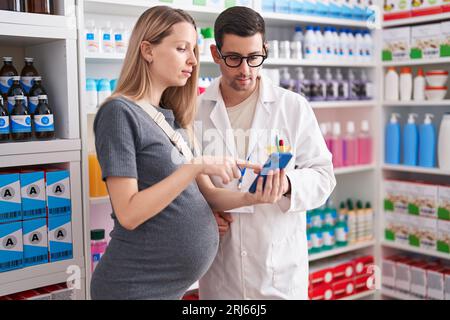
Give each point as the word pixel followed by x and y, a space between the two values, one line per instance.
pixel 263 250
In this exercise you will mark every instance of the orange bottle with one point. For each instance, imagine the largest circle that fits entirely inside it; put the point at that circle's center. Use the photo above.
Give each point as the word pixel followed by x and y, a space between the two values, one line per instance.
pixel 96 185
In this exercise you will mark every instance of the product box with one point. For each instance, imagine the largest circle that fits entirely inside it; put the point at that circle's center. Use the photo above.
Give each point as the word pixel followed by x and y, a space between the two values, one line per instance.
pixel 321 276
pixel 343 288
pixel 10 198
pixel 60 238
pixel 282 6
pixel 396 9
pixel 426 7
pixel 322 292
pixel 447 283
pixel 35 243
pixel 11 246
pixel 444 199
pixel 33 195
pixel 445 31
pixel 419 279
pixel 58 192
pixel 426 235
pixel 446 5
pixel 397 227
pixel 362 264
pixel 388 271
pixel 403 274
pixel 62 292
pixel 435 282
pixel 396 197
pixel 364 283
pixel 426 41
pixel 396 44
pixel 423 200
pixel 443 236
pixel 343 270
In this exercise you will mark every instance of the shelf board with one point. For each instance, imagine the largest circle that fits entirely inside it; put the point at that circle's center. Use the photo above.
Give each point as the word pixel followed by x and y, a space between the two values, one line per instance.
pixel 343 104
pixel 361 295
pixel 335 252
pixel 104 57
pixel 426 103
pixel 32 159
pixel 403 247
pixel 397 294
pixel 99 200
pixel 37 147
pixel 416 20
pixel 354 169
pixel 283 19
pixel 402 168
pixel 417 62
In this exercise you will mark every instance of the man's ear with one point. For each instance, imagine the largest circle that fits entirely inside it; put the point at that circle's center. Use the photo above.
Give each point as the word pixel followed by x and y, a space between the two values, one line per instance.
pixel 214 53
pixel 147 51
pixel 266 48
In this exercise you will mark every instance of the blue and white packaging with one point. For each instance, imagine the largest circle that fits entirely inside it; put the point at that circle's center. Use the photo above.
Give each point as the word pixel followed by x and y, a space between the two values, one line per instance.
pixel 282 6
pixel 35 243
pixel 58 192
pixel 10 198
pixel 60 243
pixel 268 5
pixel 33 195
pixel 11 246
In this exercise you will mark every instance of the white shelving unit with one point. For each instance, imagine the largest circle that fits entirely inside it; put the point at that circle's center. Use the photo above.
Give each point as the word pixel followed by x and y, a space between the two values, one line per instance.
pixel 416 62
pixel 429 253
pixel 52 41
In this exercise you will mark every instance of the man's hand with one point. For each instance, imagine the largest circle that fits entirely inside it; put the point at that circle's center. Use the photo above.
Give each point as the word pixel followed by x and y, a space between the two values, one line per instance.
pixel 224 219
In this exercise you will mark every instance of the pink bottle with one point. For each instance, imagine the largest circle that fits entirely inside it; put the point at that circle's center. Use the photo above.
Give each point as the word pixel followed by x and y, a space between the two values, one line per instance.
pixel 337 145
pixel 365 144
pixel 326 132
pixel 350 146
pixel 98 246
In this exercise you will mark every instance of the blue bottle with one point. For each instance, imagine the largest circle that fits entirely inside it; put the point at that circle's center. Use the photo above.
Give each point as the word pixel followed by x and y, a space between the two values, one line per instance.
pixel 427 143
pixel 392 143
pixel 411 141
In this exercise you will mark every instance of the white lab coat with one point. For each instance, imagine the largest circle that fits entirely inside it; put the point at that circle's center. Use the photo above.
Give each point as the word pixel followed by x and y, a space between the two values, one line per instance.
pixel 265 253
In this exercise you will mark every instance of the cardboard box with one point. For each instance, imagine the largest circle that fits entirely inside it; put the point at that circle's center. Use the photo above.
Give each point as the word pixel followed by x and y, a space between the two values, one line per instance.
pixel 362 264
pixel 396 44
pixel 443 236
pixel 403 274
pixel 418 271
pixel 60 238
pixel 344 270
pixel 396 9
pixel 444 191
pixel 426 41
pixel 425 233
pixel 447 283
pixel 435 282
pixel 322 292
pixel 396 198
pixel 11 246
pixel 33 195
pixel 58 192
pixel 343 288
pixel 423 200
pixel 321 276
pixel 35 243
pixel 388 271
pixel 10 198
pixel 364 283
pixel 62 292
pixel 426 7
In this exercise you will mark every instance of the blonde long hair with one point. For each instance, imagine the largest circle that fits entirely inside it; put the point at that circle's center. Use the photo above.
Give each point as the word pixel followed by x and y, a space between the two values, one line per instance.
pixel 153 26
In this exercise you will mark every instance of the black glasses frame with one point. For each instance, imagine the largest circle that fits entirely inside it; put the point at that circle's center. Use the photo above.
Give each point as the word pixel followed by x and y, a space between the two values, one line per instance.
pixel 224 58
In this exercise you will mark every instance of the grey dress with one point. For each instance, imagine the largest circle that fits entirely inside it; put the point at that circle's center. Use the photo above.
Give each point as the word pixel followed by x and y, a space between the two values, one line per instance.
pixel 165 255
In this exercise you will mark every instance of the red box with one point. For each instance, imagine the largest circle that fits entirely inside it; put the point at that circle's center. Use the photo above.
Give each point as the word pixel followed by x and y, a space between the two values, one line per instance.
pixel 396 16
pixel 324 276
pixel 344 270
pixel 362 264
pixel 419 278
pixel 446 8
pixel 322 292
pixel 365 282
pixel 403 274
pixel 343 288
pixel 427 11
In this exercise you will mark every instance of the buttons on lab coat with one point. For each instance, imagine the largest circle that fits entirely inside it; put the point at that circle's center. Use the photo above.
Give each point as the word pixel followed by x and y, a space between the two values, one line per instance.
pixel 244 253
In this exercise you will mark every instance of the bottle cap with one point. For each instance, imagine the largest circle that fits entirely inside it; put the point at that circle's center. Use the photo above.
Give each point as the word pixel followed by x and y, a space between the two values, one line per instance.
pixel 420 72
pixel 98 234
pixel 298 29
pixel 392 69
pixel 16 78
pixel 7 59
pixel 20 97
pixel 37 78
pixel 350 127
pixel 42 97
pixel 337 128
pixel 428 118
pixel 394 117
pixel 406 70
pixel 365 126
pixel 324 128
pixel 28 59
pixel 412 118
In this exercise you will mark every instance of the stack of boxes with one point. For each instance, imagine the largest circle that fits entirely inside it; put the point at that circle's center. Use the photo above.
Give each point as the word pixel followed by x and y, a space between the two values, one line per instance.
pixel 53 292
pixel 35 218
pixel 418 215
pixel 400 9
pixel 340 278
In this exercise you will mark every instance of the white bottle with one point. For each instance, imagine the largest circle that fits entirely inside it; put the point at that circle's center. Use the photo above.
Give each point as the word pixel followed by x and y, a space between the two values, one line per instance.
pixel 367 87
pixel 298 34
pixel 285 50
pixel 91 37
pixel 406 84
pixel 343 45
pixel 309 47
pixel 320 40
pixel 336 41
pixel 359 46
pixel 91 95
pixel 368 40
pixel 391 85
pixel 351 45
pixel 107 44
pixel 444 143
pixel 328 44
pixel 104 91
pixel 120 39
pixel 419 86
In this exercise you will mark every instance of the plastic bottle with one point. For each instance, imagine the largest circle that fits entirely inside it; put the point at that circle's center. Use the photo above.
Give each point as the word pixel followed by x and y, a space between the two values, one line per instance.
pixel 359 46
pixel 369 222
pixel 43 120
pixel 325 129
pixel 298 34
pixel 368 40
pixel 328 236
pixel 4 122
pixel 411 141
pixel 391 85
pixel 318 87
pixel 302 85
pixel 15 90
pixel 366 87
pixel 419 86
pixel 337 145
pixel 343 45
pixel 341 228
pixel 120 39
pixel 285 50
pixel 36 90
pixel 113 84
pixel 392 143
pixel 107 43
pixel 103 91
pixel 98 246
pixel 365 144
pixel 7 72
pixel 351 222
pixel 351 45
pixel 354 86
pixel 27 75
pixel 332 86
pixel 360 221
pixel 285 79
pixel 444 143
pixel 91 94
pixel 343 89
pixel 329 44
pixel 350 142
pixel 320 41
pixel 406 84
pixel 427 142
pixel 20 120
pixel 92 43
pixel 310 44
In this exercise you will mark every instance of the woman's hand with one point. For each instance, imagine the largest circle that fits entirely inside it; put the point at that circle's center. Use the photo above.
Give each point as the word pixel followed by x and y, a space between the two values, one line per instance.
pixel 223 219
pixel 276 186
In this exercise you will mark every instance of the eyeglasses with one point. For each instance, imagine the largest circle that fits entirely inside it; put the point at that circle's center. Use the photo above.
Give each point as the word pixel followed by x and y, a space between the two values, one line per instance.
pixel 235 60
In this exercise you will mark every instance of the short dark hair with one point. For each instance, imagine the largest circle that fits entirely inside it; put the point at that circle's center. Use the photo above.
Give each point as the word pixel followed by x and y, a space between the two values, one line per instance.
pixel 240 21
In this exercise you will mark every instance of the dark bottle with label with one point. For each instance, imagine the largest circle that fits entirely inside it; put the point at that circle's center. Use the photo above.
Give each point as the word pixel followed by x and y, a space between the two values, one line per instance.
pixel 13 5
pixel 28 74
pixel 40 6
pixel 4 122
pixel 7 72
pixel 15 90
pixel 44 126
pixel 33 96
pixel 20 120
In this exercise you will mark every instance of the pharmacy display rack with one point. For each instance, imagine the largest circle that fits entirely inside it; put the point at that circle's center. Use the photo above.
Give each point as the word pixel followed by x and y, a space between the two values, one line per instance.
pixel 52 41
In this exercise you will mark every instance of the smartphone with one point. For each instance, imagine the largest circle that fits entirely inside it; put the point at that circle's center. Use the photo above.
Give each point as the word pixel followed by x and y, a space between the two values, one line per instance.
pixel 277 160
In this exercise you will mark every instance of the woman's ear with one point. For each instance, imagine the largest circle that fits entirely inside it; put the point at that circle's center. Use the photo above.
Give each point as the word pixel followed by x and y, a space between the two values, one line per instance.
pixel 147 51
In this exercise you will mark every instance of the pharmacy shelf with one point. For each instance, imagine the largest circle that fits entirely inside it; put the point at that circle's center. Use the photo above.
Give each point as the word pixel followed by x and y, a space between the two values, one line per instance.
pixel 343 104
pixel 416 62
pixel 31 159
pixel 37 147
pixel 416 20
pixel 354 169
pixel 38 276
pixel 284 19
pixel 408 248
pixel 394 294
pixel 402 168
pixel 335 252
pixel 359 296
pixel 104 57
pixel 99 200
pixel 442 103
